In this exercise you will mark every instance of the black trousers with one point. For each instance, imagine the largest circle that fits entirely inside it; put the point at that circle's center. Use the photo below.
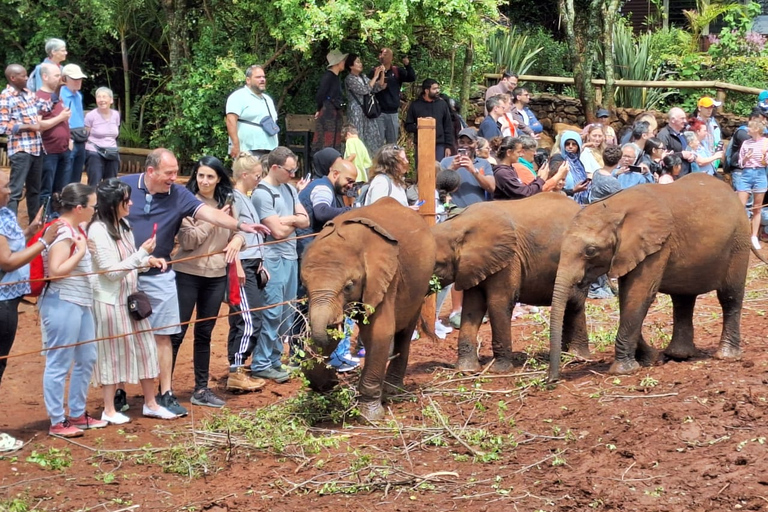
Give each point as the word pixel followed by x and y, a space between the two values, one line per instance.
pixel 205 293
pixel 9 321
pixel 244 328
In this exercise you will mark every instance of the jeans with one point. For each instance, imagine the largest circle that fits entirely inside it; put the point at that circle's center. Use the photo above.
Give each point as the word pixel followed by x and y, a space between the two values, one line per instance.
pixel 26 170
pixel 55 174
pixel 389 127
pixel 277 320
pixel 244 329
pixel 76 162
pixel 206 293
pixel 99 168
pixel 9 321
pixel 64 323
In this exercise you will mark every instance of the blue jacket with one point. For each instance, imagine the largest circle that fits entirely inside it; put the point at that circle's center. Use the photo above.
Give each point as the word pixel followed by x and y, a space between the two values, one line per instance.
pixel 489 128
pixel 533 122
pixel 319 214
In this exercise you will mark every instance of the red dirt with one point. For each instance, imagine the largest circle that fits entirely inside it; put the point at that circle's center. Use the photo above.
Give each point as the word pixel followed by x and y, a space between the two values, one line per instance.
pixel 694 441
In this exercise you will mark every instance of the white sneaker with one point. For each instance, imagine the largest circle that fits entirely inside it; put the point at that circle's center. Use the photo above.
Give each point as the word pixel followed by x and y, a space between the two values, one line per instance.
pixel 415 336
pixel 161 413
pixel 756 243
pixel 441 330
pixel 118 418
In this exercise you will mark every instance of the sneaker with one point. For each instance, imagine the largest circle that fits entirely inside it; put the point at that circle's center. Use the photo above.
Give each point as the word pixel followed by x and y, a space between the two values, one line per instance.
pixel 118 418
pixel 206 398
pixel 415 336
pixel 350 357
pixel 169 401
pixel 65 429
pixel 346 367
pixel 277 375
pixel 756 243
pixel 121 401
pixel 86 422
pixel 361 352
pixel 161 413
pixel 441 331
pixel 455 319
pixel 241 380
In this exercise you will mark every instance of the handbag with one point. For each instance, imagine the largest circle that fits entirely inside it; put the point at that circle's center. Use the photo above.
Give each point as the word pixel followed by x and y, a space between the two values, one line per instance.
pixel 108 154
pixel 79 135
pixel 370 104
pixel 266 123
pixel 139 306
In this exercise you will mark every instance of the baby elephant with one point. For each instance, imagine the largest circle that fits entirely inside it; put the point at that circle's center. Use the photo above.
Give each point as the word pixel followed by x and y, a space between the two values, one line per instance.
pixel 501 253
pixel 380 257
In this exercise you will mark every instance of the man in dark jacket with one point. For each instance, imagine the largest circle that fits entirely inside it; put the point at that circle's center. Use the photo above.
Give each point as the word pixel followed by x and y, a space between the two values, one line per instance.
pixel 389 97
pixel 672 137
pixel 429 104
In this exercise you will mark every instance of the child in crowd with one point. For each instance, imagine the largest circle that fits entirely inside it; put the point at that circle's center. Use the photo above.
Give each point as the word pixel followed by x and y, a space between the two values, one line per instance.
pixel 670 169
pixel 750 178
pixel 356 152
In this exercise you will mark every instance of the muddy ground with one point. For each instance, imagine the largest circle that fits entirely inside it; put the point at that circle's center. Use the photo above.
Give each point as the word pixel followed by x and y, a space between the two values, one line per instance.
pixel 678 436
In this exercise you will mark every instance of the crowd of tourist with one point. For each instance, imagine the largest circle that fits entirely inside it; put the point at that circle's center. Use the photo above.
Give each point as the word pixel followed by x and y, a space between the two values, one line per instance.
pixel 109 249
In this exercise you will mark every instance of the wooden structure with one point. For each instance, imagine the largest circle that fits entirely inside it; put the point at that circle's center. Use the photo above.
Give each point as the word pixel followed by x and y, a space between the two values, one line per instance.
pixel 426 172
pixel 298 138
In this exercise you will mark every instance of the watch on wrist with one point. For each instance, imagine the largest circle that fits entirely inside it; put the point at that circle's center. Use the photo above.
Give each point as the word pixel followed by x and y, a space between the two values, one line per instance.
pixel 239 225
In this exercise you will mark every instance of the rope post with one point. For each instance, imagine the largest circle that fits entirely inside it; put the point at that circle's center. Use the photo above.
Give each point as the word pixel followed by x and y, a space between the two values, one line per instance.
pixel 426 174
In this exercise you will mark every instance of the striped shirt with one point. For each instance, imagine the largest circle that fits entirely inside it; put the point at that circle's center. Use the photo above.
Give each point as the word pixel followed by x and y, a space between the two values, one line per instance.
pixel 758 148
pixel 76 289
pixel 17 108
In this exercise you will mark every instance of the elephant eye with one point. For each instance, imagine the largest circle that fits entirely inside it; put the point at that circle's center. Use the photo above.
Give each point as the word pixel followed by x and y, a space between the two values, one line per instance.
pixel 348 287
pixel 590 252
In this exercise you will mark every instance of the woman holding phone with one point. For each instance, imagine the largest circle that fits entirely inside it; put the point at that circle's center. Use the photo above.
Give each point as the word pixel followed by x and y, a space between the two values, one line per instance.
pixel 128 354
pixel 202 280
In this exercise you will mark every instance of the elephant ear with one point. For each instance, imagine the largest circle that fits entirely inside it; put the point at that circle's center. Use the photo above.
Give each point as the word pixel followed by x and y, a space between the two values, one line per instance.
pixel 328 229
pixel 482 249
pixel 381 262
pixel 639 234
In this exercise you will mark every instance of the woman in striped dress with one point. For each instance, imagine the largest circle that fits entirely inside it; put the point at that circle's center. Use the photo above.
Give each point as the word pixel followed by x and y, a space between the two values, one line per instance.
pixel 128 356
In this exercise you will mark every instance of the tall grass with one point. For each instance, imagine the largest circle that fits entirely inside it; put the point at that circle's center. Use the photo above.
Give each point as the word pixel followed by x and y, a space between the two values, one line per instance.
pixel 510 51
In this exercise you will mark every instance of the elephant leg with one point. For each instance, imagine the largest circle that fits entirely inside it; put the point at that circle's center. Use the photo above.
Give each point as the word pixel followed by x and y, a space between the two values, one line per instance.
pixel 731 300
pixel 575 337
pixel 636 292
pixel 393 382
pixel 682 347
pixel 472 310
pixel 378 339
pixel 500 306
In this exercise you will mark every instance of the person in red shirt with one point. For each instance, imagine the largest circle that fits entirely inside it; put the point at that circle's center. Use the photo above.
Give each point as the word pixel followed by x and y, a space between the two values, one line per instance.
pixel 56 138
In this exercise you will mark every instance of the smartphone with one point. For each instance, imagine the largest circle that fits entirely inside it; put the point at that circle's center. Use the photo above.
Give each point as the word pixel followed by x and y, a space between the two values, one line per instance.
pixel 420 203
pixel 588 180
pixel 46 208
pixel 719 146
pixel 635 168
pixel 230 199
pixel 462 152
pixel 154 230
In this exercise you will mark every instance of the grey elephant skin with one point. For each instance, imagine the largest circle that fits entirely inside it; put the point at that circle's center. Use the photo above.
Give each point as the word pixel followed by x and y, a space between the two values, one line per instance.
pixel 381 256
pixel 500 253
pixel 682 239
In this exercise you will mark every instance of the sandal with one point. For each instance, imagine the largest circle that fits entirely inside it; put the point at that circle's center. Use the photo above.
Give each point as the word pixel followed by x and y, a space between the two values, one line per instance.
pixel 9 443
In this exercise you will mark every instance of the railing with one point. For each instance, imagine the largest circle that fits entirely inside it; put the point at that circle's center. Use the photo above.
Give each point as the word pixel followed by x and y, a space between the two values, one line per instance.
pixel 131 159
pixel 721 87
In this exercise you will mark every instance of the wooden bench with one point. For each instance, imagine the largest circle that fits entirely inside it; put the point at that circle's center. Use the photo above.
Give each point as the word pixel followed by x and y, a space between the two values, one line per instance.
pixel 299 129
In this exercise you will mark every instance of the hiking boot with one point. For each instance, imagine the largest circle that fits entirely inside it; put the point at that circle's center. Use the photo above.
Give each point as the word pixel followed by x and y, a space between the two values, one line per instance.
pixel 121 401
pixel 85 422
pixel 169 401
pixel 65 429
pixel 275 374
pixel 161 413
pixel 241 380
pixel 206 398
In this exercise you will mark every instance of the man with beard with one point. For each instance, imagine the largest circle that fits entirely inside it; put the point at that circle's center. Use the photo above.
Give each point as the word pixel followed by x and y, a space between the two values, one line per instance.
pixel 247 108
pixel 429 104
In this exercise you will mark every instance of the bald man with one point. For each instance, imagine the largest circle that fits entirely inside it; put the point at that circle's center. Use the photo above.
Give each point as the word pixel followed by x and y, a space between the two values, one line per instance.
pixel 672 137
pixel 389 96
pixel 20 122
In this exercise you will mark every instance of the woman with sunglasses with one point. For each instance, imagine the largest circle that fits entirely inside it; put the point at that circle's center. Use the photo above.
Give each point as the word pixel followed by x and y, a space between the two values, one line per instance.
pixel 128 354
pixel 202 280
pixel 654 152
pixel 66 314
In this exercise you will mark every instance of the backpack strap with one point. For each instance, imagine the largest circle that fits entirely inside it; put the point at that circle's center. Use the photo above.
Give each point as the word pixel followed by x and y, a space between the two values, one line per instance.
pixel 275 196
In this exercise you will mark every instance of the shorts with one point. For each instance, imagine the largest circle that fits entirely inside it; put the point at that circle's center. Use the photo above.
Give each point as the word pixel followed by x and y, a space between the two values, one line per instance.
pixel 161 290
pixel 751 179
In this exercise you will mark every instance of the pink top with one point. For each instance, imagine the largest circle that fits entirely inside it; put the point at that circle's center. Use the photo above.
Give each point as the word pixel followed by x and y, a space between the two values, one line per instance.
pixel 103 132
pixel 759 148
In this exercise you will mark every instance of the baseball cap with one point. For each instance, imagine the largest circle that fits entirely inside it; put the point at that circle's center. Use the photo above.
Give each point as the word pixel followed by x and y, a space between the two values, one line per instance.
pixel 763 96
pixel 603 113
pixel 707 102
pixel 73 71
pixel 468 132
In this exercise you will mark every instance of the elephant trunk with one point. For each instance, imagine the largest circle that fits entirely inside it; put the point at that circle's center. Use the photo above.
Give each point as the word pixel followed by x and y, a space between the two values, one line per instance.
pixel 322 313
pixel 562 293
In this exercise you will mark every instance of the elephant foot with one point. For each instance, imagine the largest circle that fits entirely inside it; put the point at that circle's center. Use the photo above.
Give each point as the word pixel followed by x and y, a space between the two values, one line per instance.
pixel 681 352
pixel 501 365
pixel 468 365
pixel 371 410
pixel 580 350
pixel 393 388
pixel 623 367
pixel 726 351
pixel 647 356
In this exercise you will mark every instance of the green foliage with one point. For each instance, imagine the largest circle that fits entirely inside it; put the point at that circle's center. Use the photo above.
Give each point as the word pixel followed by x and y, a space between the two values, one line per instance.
pixel 52 459
pixel 553 59
pixel 509 50
pixel 666 43
pixel 705 13
pixel 19 503
pixel 736 37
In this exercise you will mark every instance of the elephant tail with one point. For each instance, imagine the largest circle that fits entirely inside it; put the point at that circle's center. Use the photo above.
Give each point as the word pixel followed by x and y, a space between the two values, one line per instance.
pixel 757 253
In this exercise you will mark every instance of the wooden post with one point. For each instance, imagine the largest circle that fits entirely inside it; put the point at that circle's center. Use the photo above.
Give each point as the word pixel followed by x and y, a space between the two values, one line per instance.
pixel 426 173
pixel 721 94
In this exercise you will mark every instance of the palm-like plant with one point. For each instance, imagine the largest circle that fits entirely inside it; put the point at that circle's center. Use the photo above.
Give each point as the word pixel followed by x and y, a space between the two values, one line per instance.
pixel 705 13
pixel 510 51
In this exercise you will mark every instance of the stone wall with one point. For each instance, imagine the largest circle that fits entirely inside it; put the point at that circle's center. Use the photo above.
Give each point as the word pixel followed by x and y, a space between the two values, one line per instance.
pixel 552 109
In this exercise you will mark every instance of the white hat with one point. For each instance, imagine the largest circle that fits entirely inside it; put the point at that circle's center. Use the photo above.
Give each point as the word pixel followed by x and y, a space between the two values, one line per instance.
pixel 73 71
pixel 334 57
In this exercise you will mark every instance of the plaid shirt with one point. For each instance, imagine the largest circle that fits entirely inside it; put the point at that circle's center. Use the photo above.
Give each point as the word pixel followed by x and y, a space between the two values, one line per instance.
pixel 17 108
